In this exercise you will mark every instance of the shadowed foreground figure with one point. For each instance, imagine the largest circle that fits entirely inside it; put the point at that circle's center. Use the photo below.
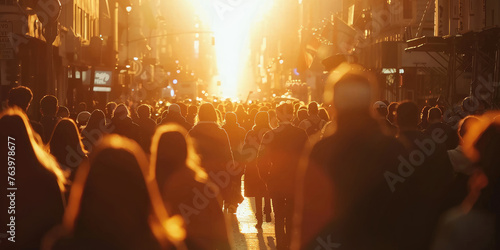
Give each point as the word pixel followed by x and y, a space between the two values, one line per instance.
pixel 185 189
pixel 38 201
pixel 114 203
pixel 344 199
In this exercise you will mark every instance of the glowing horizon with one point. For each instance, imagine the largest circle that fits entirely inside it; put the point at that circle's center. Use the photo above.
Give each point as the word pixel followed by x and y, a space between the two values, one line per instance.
pixel 232 25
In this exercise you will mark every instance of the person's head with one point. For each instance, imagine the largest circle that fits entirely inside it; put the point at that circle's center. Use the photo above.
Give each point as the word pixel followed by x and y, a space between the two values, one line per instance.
pixel 351 90
pixel 115 184
pixel 465 124
pixel 231 118
pixel 312 108
pixel 172 150
pixel 284 112
pixel 21 97
pixel 121 111
pixel 392 111
pixel 174 108
pixel 48 106
pixel 63 112
pixel 97 120
pixel 183 109
pixel 302 114
pixel 323 114
pixel 144 111
pixel 207 113
pixel 82 106
pixel 65 140
pixel 192 110
pixel 261 120
pixel 407 115
pixel 435 115
pixel 424 113
pixel 82 118
pixel 380 109
pixel 481 144
pixel 30 152
pixel 110 108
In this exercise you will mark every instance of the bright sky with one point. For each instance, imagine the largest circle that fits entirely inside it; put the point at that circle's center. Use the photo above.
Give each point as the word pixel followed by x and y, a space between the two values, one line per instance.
pixel 231 21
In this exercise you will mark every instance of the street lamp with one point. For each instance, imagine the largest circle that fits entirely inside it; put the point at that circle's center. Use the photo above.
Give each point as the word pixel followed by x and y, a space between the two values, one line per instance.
pixel 128 8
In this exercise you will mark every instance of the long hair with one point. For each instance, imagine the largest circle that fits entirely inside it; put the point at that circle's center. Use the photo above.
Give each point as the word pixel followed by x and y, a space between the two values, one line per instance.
pixel 115 196
pixel 261 121
pixel 172 149
pixel 66 137
pixel 207 113
pixel 14 124
pixel 96 120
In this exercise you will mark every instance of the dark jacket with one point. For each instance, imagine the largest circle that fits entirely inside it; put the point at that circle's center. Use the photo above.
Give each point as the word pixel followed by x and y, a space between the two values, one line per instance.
pixel 125 127
pixel 212 144
pixel 279 156
pixel 346 197
pixel 48 124
pixel 176 117
pixel 254 185
pixel 147 127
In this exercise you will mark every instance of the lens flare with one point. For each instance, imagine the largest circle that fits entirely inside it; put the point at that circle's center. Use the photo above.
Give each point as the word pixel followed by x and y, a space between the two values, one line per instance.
pixel 232 23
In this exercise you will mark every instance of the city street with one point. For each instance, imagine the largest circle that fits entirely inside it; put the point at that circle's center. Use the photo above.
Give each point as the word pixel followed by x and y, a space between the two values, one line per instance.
pixel 245 235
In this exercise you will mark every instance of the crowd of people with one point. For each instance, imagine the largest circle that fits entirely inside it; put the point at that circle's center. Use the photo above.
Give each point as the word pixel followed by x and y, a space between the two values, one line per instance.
pixel 350 173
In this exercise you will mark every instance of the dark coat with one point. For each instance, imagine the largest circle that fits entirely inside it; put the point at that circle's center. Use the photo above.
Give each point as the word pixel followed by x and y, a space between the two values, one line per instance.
pixel 254 185
pixel 187 197
pixel 279 155
pixel 147 127
pixel 125 127
pixel 346 197
pixel 48 124
pixel 176 117
pixel 212 144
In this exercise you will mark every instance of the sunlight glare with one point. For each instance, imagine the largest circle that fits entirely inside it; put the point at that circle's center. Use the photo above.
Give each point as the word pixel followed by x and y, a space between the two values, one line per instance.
pixel 231 22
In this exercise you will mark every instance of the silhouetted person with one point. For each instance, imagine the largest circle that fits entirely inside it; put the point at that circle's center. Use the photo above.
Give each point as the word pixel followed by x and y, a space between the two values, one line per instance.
pixel 110 108
pixel 184 187
pixel 95 130
pixel 32 185
pixel 323 114
pixel 475 223
pixel 273 119
pixel 236 135
pixel 63 112
pixel 428 184
pixel 122 124
pixel 48 109
pixel 174 116
pixel 21 97
pixel 212 144
pixel 254 185
pixel 345 194
pixel 67 147
pixel 460 163
pixel 437 126
pixel 391 112
pixel 313 123
pixel 81 119
pixel 191 114
pixel 117 204
pixel 278 159
pixel 147 126
pixel 381 114
pixel 423 118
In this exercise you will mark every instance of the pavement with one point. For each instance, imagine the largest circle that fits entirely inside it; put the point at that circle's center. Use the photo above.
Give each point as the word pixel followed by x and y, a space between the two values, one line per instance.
pixel 245 235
